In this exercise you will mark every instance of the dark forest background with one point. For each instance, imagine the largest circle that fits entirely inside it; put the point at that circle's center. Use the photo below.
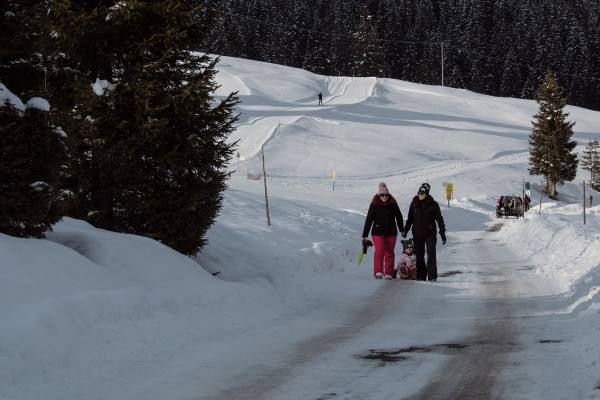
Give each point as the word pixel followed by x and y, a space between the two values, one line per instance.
pixel 496 47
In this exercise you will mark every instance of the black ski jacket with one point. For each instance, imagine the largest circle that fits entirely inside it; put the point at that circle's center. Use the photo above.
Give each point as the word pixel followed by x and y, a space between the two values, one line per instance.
pixel 422 216
pixel 384 217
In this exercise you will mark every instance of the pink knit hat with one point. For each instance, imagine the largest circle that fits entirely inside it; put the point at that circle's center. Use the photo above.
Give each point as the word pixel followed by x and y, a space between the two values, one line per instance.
pixel 383 189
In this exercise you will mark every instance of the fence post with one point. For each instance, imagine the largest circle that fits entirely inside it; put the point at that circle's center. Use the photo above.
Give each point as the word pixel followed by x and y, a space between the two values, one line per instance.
pixel 523 200
pixel 265 180
pixel 584 202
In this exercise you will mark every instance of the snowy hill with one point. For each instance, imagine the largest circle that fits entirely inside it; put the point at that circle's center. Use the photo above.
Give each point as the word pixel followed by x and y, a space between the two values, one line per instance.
pixel 91 314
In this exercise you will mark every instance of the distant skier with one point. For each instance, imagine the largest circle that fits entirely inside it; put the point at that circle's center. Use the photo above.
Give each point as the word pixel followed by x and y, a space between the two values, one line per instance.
pixel 320 98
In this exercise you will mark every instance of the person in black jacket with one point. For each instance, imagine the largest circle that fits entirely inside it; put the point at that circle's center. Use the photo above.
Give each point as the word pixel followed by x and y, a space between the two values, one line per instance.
pixel 423 214
pixel 384 215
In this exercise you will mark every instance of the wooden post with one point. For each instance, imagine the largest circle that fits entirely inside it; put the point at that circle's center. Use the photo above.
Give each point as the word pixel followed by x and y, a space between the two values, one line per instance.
pixel 584 202
pixel 265 180
pixel 442 63
pixel 523 200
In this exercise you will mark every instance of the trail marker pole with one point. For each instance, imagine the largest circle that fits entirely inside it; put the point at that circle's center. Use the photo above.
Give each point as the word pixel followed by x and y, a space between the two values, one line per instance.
pixel 265 180
pixel 334 181
pixel 523 200
pixel 442 63
pixel 584 202
pixel 449 192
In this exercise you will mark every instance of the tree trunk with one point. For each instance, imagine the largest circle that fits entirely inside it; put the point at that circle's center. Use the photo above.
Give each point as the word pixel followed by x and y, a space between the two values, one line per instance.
pixel 552 190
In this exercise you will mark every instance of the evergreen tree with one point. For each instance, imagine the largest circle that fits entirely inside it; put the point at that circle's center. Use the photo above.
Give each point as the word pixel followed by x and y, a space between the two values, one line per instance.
pixel 428 70
pixel 146 135
pixel 511 73
pixel 19 34
pixel 551 147
pixel 590 161
pixel 339 16
pixel 390 22
pixel 31 150
pixel 367 51
pixel 478 37
pixel 228 38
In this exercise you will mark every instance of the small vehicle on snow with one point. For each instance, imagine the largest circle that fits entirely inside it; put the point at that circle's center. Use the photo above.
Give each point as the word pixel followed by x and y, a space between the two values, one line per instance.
pixel 509 206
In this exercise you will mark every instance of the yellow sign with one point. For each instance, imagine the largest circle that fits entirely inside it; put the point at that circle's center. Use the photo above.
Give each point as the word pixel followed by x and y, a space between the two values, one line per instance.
pixel 449 188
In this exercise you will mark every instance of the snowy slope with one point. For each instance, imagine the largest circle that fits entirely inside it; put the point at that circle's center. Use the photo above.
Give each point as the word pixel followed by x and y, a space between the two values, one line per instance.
pixel 94 314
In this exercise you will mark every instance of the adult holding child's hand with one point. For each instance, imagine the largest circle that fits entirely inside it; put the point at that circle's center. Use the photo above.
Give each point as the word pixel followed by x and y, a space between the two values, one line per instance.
pixel 424 212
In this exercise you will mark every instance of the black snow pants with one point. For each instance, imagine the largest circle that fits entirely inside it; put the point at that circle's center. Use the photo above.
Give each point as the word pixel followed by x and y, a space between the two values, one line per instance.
pixel 426 270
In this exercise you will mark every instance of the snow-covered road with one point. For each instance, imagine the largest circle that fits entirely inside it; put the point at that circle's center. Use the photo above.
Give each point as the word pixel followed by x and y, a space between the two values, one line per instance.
pixel 407 332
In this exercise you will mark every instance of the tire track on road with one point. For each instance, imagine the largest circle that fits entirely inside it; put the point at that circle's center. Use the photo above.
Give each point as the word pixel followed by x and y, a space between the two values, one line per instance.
pixel 264 380
pixel 471 374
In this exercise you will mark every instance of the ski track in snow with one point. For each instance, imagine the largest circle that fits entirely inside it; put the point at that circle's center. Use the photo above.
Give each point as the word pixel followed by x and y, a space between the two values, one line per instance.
pixel 345 90
pixel 256 131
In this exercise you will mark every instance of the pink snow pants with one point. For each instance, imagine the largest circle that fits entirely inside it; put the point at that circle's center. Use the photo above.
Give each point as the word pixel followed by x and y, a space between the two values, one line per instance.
pixel 384 254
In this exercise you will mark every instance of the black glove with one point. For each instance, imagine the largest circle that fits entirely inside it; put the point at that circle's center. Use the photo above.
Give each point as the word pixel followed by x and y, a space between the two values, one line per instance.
pixel 443 238
pixel 366 243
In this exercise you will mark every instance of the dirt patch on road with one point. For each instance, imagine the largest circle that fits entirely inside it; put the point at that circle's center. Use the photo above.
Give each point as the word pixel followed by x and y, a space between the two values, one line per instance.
pixel 494 228
pixel 384 356
pixel 449 273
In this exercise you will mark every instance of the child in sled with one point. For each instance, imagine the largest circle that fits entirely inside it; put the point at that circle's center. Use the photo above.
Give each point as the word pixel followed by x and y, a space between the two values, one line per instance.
pixel 407 264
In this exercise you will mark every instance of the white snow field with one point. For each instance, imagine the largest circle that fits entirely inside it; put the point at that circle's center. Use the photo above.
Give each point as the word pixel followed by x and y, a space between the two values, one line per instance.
pixel 92 314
